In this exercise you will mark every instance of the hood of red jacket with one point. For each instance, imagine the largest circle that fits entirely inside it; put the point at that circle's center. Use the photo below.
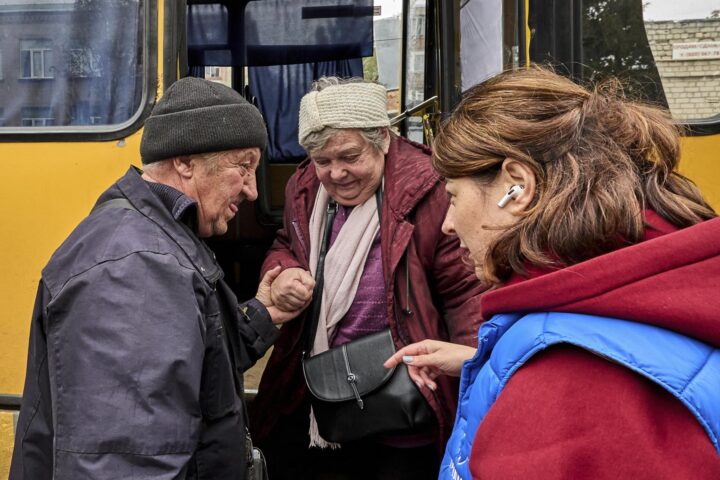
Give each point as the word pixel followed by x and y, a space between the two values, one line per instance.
pixel 671 280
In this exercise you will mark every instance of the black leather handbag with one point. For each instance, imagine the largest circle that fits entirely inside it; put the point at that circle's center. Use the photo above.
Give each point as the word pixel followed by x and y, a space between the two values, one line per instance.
pixel 353 395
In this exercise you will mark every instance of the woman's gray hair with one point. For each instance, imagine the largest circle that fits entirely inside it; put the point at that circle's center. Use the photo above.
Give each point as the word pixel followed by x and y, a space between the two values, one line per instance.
pixel 373 136
pixel 324 82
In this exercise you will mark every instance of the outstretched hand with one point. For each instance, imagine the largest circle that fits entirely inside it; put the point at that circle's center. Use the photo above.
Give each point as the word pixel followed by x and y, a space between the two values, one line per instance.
pixel 429 359
pixel 278 315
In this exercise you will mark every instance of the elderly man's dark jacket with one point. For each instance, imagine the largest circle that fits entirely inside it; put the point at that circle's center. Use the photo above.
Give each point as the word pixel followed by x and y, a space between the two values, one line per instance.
pixel 137 349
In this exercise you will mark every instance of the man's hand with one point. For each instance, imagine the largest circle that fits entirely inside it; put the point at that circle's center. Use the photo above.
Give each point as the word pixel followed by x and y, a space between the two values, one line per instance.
pixel 429 359
pixel 279 314
pixel 292 289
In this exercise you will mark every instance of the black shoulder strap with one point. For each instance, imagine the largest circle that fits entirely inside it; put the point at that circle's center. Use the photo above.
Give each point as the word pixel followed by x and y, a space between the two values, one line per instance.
pixel 319 272
pixel 319 278
pixel 379 201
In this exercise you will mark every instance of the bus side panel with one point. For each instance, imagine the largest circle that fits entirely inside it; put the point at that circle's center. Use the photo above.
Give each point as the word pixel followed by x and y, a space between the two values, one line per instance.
pixel 700 162
pixel 48 189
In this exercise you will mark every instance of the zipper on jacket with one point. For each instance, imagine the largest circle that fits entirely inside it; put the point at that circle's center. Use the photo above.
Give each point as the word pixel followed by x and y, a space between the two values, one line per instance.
pixel 406 311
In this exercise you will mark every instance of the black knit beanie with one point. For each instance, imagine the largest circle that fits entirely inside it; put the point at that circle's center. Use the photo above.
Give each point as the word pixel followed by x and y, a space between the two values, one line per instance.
pixel 199 116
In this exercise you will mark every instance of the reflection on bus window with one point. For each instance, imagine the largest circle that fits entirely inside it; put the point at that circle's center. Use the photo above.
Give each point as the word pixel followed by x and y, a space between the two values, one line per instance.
pixel 614 43
pixel 415 76
pixel 481 25
pixel 66 63
pixel 384 66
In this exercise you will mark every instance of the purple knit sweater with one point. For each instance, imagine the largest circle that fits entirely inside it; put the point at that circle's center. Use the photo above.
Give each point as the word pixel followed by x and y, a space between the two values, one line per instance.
pixel 368 312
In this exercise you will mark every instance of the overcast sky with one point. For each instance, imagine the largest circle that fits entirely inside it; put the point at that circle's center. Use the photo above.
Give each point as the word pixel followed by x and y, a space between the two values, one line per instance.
pixel 679 9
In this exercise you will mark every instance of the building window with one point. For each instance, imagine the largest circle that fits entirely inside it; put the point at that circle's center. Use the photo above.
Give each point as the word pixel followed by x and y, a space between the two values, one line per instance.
pixel 37 117
pixel 36 58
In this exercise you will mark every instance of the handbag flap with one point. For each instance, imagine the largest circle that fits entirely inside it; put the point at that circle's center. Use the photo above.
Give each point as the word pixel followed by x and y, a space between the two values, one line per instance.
pixel 326 374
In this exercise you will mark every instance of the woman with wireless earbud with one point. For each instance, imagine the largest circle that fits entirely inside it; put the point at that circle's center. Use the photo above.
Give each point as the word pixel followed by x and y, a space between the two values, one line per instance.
pixel 362 254
pixel 599 357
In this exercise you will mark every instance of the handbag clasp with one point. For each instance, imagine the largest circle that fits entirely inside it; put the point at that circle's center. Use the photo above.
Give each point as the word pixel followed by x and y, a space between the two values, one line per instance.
pixel 352 380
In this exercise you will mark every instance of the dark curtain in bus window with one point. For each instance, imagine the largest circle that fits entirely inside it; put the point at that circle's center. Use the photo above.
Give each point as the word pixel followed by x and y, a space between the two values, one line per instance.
pixel 278 90
pixel 75 62
pixel 303 31
pixel 214 34
pixel 275 32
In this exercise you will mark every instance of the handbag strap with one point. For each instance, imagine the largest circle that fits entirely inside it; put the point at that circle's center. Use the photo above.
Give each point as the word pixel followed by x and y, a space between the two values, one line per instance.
pixel 320 271
pixel 319 278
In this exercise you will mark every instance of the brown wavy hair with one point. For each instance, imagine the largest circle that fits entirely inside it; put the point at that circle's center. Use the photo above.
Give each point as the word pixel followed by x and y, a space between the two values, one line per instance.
pixel 599 160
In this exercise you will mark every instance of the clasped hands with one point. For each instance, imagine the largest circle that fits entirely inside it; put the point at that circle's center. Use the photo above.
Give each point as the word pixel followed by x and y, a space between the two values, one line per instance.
pixel 286 293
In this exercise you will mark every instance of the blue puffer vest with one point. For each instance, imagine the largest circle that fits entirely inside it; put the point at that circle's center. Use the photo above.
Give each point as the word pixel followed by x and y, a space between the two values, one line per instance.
pixel 687 368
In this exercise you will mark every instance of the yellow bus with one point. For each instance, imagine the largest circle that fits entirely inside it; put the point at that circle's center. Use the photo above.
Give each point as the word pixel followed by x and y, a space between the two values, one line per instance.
pixel 78 78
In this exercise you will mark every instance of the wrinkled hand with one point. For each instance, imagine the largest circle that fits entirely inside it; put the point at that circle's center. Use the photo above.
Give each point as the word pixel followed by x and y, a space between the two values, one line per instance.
pixel 292 289
pixel 278 315
pixel 429 359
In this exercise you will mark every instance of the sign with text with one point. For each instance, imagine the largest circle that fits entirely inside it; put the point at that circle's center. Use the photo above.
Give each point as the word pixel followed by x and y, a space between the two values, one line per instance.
pixel 695 51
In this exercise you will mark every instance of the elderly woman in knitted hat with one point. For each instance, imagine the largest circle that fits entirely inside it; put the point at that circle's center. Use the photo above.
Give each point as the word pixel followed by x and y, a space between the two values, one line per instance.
pixel 600 356
pixel 388 266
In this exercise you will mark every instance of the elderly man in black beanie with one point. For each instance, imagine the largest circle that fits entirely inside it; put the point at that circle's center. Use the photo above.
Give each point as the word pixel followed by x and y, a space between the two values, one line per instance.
pixel 137 346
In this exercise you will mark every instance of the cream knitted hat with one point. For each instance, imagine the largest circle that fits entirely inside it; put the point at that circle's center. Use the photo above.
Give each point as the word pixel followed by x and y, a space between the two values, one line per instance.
pixel 348 105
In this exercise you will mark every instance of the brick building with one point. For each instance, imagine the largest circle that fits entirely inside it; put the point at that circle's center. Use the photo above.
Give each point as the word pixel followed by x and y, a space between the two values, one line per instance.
pixel 687 54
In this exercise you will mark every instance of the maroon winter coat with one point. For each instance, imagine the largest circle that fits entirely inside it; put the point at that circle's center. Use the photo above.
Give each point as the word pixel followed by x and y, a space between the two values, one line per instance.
pixel 568 413
pixel 444 292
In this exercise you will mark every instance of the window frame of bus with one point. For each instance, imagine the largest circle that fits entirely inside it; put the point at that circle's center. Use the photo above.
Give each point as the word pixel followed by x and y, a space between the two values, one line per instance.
pixel 114 131
pixel 562 47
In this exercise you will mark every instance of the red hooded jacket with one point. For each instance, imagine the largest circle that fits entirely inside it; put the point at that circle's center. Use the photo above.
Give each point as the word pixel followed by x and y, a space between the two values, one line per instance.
pixel 570 414
pixel 444 292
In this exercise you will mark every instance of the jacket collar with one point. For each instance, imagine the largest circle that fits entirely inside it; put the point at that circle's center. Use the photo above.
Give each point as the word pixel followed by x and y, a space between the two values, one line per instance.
pixel 137 191
pixel 408 176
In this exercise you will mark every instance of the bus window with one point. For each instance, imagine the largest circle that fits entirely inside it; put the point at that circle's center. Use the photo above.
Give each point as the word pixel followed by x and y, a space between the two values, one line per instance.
pixel 415 65
pixel 70 65
pixel 481 30
pixel 384 66
pixel 666 52
pixel 615 42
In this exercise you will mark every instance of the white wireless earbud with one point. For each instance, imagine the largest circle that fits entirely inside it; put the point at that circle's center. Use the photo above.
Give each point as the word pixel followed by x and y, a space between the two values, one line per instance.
pixel 514 192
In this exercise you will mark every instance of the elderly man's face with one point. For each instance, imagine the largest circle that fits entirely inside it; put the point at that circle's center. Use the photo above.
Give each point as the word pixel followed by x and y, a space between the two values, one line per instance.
pixel 221 183
pixel 350 168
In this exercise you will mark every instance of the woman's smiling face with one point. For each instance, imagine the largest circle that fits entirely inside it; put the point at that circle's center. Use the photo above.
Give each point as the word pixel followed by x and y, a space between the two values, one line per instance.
pixel 349 167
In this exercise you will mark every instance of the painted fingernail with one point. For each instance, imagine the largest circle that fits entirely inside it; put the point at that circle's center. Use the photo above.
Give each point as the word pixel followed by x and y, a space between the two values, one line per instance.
pixel 407 358
pixel 432 387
